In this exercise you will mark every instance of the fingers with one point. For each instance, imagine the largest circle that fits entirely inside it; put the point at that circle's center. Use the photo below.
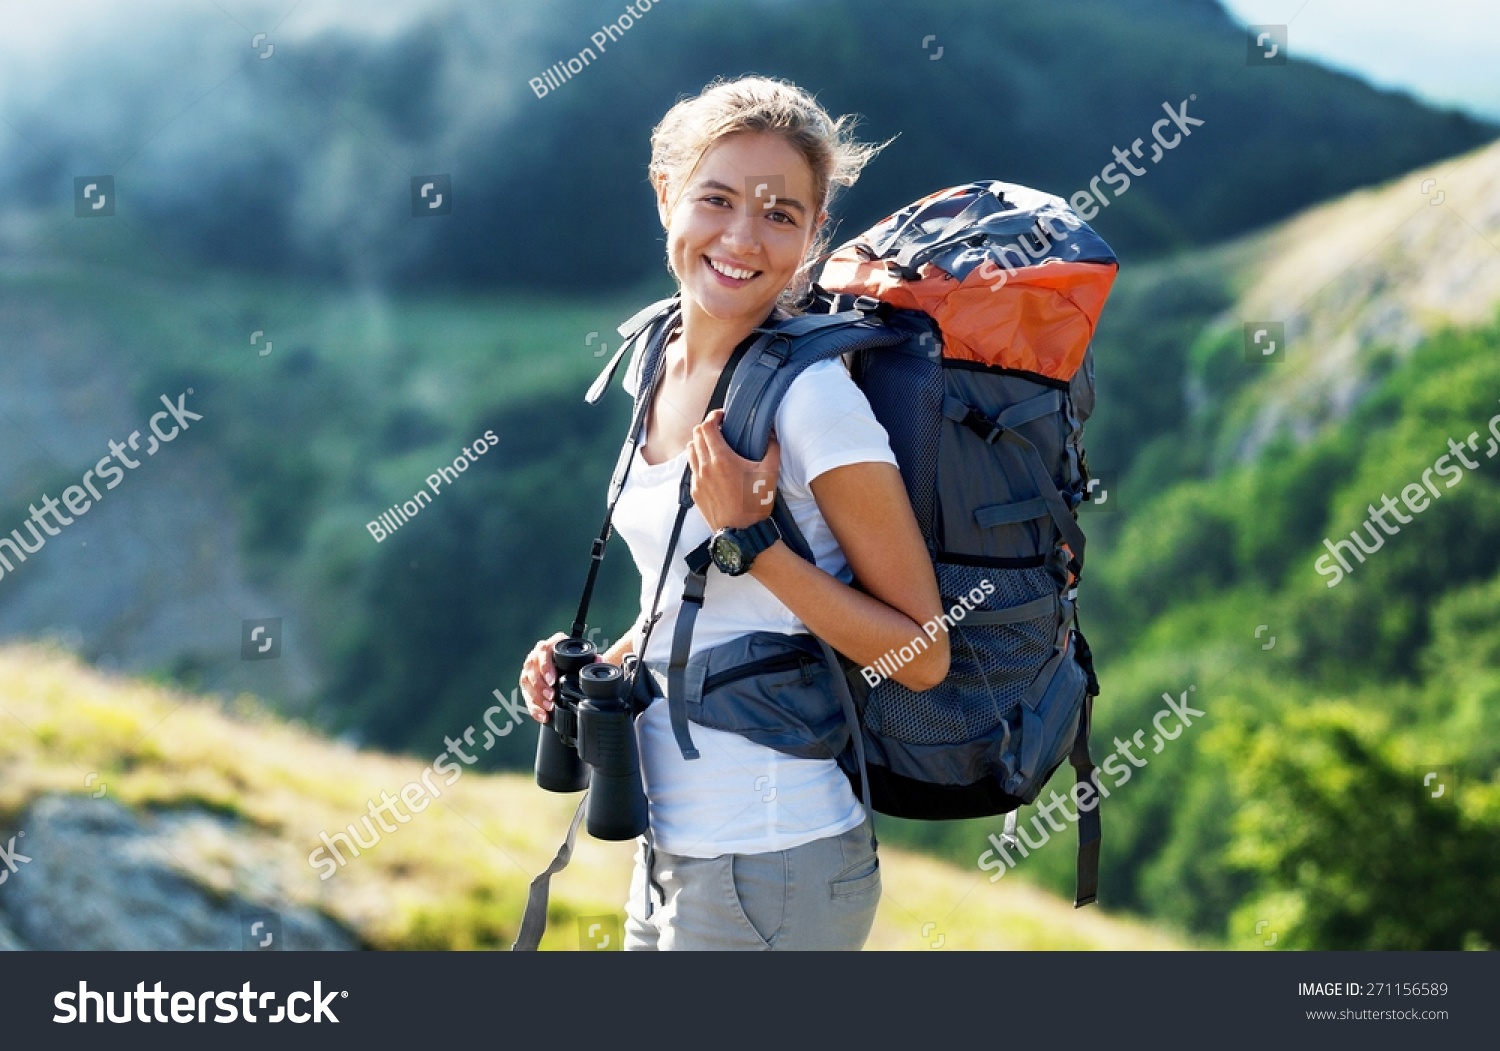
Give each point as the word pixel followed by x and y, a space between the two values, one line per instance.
pixel 539 677
pixel 772 461
pixel 708 439
pixel 714 433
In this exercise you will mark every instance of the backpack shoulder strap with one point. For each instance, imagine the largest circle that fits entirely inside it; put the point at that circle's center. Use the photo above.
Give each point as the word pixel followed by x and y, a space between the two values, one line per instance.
pixel 763 379
pixel 635 332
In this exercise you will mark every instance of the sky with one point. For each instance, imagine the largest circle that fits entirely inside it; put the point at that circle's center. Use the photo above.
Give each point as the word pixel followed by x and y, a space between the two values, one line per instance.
pixel 1443 51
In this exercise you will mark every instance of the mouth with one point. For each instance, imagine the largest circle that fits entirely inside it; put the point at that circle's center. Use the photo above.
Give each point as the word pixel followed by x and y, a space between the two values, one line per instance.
pixel 733 276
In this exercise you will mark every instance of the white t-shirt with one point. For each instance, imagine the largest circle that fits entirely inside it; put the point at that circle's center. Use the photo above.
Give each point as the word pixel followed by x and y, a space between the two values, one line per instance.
pixel 740 797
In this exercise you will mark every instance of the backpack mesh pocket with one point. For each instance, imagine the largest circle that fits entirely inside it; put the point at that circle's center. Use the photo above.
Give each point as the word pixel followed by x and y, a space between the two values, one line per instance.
pixel 991 665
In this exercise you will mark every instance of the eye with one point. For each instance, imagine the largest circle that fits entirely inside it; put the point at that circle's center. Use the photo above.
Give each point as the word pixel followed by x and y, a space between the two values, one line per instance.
pixel 716 199
pixel 781 217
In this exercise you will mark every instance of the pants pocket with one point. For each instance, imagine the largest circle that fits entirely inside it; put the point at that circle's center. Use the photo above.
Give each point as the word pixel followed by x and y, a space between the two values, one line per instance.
pixel 863 881
pixel 860 876
pixel 758 887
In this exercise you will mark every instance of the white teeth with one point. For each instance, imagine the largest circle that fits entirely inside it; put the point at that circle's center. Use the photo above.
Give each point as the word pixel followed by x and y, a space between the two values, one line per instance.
pixel 738 275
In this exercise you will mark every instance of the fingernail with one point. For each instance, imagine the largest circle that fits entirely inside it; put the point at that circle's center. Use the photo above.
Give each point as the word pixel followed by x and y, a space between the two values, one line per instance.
pixel 547 694
pixel 550 678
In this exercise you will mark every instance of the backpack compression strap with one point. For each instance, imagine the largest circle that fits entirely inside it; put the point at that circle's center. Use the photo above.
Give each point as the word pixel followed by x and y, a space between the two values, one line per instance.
pixel 1002 428
pixel 1083 768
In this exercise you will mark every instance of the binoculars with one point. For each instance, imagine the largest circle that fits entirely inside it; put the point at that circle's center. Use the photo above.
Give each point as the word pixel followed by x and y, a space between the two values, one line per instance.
pixel 591 743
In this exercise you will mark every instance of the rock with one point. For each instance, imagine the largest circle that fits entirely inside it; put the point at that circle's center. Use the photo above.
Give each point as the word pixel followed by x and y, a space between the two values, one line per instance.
pixel 103 877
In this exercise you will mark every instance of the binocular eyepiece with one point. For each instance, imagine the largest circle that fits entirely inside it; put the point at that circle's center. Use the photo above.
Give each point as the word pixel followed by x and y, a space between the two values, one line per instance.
pixel 592 744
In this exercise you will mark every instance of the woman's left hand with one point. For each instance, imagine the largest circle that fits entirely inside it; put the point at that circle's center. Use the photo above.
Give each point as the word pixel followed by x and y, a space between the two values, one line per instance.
pixel 731 491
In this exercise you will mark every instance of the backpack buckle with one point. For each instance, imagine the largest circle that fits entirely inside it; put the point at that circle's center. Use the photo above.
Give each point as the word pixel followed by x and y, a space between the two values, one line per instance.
pixel 779 348
pixel 983 426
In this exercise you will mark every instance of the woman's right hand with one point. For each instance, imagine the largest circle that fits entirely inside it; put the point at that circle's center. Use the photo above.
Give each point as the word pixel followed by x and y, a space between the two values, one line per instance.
pixel 539 678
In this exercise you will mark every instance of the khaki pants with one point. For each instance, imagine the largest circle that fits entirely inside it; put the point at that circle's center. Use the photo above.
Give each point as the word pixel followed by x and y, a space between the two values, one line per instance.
pixel 821 895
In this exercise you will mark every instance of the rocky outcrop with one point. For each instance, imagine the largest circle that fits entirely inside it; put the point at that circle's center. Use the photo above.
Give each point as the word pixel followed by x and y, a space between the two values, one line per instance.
pixel 100 876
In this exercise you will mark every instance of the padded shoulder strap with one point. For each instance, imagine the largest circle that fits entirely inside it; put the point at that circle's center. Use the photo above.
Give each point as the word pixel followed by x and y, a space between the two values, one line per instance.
pixel 764 377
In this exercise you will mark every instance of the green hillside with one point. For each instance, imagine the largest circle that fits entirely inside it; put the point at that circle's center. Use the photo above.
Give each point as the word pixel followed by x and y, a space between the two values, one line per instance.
pixel 454 874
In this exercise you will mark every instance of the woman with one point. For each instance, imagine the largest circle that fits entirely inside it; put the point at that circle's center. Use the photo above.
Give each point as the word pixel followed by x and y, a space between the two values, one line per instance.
pixel 754 848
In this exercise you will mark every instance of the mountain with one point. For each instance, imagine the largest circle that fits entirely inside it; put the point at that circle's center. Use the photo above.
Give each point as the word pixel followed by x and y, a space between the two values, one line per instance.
pixel 1351 286
pixel 301 162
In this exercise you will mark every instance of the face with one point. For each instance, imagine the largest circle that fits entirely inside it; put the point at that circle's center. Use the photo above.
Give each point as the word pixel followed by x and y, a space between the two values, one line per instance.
pixel 735 252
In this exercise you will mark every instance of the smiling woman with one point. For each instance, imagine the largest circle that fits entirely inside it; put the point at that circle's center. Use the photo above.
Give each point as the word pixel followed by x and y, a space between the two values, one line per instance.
pixel 756 839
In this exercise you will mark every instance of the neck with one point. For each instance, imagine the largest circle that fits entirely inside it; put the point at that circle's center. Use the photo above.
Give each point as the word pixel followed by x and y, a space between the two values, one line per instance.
pixel 709 341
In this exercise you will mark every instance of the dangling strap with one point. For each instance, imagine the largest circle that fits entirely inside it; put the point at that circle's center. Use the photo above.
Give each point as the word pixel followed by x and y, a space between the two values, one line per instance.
pixel 687 613
pixel 534 922
pixel 628 333
pixel 1089 831
pixel 851 716
pixel 1088 820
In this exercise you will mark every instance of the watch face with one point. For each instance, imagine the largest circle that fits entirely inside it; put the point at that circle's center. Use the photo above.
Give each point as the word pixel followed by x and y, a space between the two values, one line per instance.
pixel 726 554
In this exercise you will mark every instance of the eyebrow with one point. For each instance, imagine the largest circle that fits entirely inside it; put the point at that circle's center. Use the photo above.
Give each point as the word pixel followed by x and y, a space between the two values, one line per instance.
pixel 790 202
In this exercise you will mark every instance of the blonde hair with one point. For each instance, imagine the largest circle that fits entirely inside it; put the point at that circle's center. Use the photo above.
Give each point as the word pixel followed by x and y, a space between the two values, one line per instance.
pixel 748 104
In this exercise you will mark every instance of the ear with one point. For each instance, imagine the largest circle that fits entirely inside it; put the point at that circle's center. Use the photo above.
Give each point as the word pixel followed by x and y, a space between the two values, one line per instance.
pixel 817 227
pixel 816 231
pixel 662 210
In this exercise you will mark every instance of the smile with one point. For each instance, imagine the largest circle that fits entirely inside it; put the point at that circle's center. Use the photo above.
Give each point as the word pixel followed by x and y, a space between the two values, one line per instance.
pixel 733 273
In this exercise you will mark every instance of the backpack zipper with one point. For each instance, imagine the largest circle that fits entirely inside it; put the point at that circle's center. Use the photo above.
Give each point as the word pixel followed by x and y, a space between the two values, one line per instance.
pixel 784 662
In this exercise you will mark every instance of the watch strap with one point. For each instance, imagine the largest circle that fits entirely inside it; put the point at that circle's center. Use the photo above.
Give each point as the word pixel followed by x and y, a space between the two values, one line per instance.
pixel 756 538
pixel 753 539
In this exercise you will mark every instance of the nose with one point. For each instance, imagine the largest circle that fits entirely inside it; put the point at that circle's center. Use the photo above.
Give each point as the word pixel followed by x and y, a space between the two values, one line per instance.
pixel 742 235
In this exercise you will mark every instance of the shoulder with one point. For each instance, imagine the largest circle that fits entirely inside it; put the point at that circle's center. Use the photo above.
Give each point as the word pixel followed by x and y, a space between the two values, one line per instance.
pixel 820 388
pixel 825 421
pixel 824 397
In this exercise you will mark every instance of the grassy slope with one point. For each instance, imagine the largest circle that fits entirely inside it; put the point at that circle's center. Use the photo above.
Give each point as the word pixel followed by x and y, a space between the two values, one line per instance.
pixel 456 875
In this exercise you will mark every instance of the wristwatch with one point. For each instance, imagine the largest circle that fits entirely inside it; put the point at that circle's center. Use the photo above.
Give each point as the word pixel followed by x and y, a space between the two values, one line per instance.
pixel 733 550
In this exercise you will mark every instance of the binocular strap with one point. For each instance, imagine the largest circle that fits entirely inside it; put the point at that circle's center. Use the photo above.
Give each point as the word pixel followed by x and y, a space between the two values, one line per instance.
pixel 534 922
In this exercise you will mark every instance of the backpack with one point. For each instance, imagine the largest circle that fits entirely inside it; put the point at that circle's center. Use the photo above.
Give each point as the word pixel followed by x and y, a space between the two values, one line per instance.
pixel 966 318
pixel 1001 287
